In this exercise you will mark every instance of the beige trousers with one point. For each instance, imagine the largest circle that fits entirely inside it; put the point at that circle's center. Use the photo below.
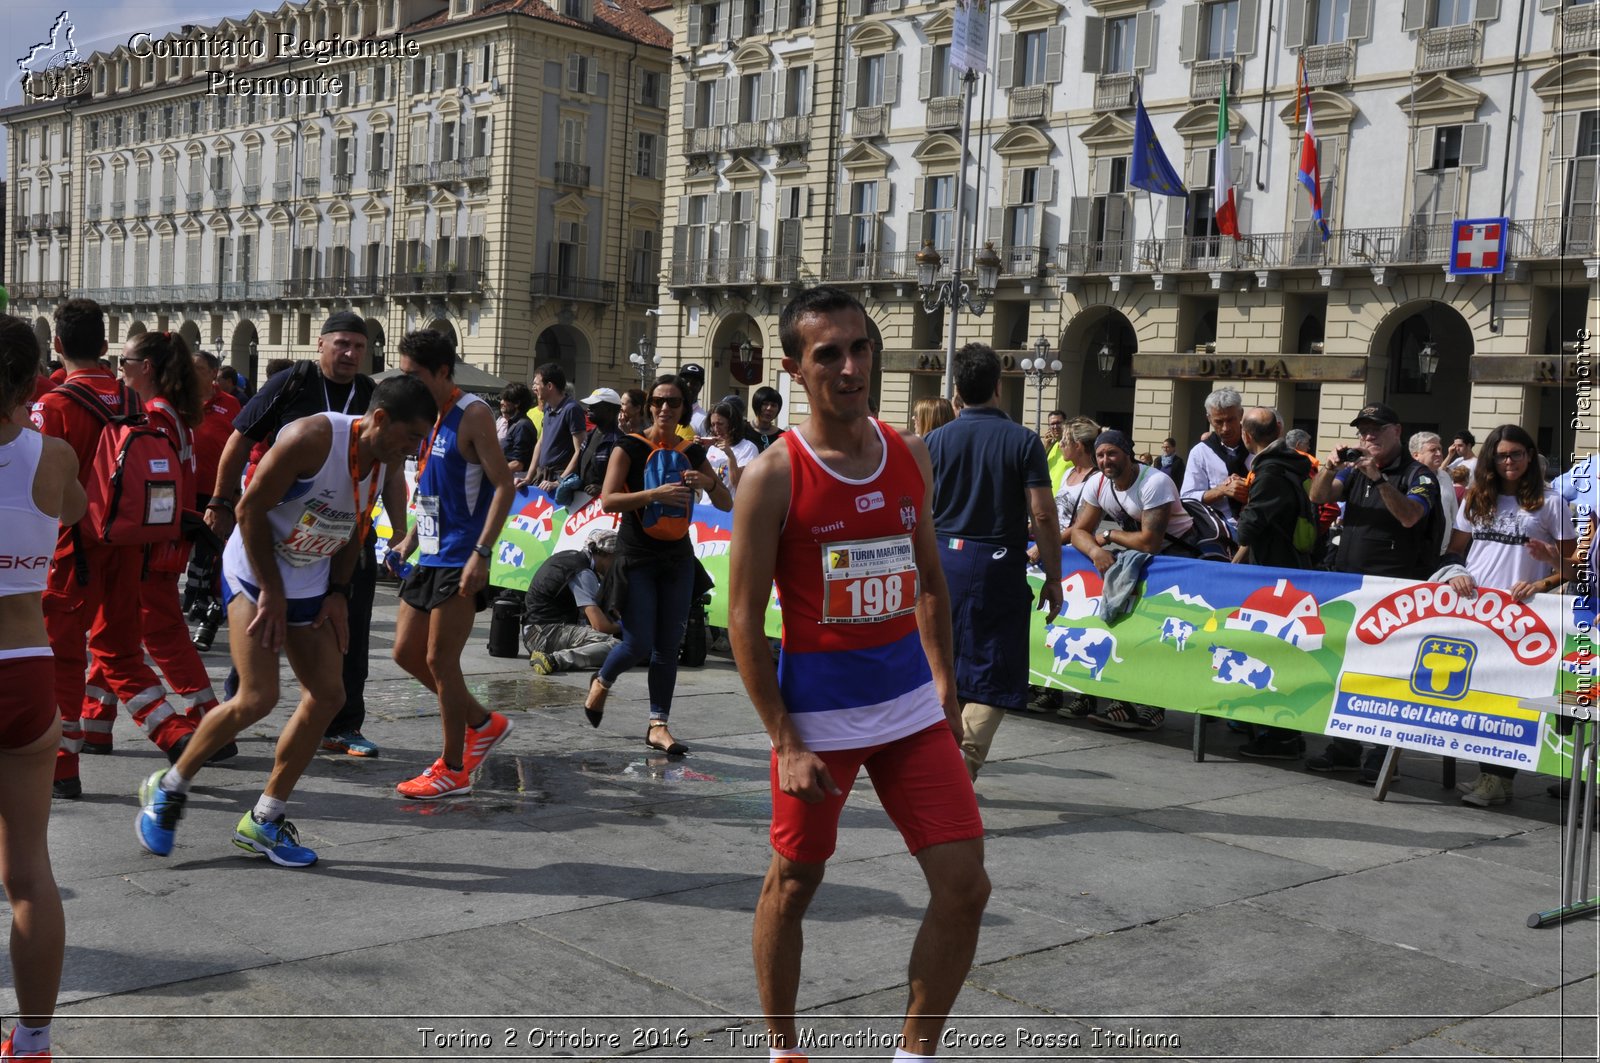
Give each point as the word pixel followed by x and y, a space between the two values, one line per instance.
pixel 979 722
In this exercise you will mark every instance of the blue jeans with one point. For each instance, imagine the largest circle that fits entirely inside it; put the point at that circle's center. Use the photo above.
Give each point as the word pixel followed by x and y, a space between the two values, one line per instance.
pixel 653 618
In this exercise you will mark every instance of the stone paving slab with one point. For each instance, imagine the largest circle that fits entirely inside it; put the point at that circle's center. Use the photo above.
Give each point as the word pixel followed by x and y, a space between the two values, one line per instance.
pixel 1488 935
pixel 586 874
pixel 1240 980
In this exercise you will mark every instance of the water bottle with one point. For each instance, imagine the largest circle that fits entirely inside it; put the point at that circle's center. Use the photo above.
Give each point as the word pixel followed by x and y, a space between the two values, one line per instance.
pixel 397 565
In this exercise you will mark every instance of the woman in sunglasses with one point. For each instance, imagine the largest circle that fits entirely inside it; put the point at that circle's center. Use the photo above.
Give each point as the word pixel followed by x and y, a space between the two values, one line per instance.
pixel 1509 526
pixel 653 479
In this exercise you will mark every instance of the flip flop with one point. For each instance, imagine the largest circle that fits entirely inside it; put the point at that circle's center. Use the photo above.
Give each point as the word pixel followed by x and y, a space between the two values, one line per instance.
pixel 594 710
pixel 676 749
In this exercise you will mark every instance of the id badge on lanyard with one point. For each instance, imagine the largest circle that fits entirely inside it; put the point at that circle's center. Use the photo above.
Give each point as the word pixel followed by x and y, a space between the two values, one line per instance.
pixel 869 581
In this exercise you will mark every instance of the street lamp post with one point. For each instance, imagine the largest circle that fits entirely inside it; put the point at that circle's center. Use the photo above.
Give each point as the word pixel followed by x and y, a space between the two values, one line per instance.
pixel 645 362
pixel 1428 364
pixel 1035 369
pixel 955 293
pixel 1106 360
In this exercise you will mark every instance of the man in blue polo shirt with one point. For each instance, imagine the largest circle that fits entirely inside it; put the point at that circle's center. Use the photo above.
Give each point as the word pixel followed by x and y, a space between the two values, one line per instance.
pixel 561 438
pixel 989 474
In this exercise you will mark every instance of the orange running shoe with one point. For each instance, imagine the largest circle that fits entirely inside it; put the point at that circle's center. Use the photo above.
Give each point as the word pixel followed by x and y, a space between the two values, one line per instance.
pixel 438 781
pixel 480 740
pixel 7 1053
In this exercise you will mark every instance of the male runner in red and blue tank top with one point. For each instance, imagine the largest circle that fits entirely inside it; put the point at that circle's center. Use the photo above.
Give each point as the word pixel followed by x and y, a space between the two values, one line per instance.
pixel 836 512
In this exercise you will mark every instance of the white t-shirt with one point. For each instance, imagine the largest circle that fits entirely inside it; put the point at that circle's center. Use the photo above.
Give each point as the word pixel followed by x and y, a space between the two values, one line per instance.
pixel 1067 500
pixel 1150 490
pixel 1498 556
pixel 744 450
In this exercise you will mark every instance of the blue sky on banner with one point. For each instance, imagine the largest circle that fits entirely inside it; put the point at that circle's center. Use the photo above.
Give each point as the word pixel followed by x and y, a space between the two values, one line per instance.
pixel 98 25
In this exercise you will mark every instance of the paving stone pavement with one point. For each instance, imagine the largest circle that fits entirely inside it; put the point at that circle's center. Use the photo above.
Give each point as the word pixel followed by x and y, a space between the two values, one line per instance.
pixel 593 900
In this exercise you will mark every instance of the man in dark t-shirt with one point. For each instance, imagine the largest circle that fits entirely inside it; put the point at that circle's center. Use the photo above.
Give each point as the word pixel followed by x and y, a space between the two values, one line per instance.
pixel 332 383
pixel 989 473
pixel 1391 514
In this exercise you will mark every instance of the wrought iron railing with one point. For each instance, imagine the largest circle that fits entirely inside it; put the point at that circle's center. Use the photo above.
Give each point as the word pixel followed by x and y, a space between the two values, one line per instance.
pixel 572 174
pixel 1329 64
pixel 1028 104
pixel 869 121
pixel 1578 29
pixel 578 289
pixel 1449 47
pixel 944 112
pixel 1114 92
pixel 1207 76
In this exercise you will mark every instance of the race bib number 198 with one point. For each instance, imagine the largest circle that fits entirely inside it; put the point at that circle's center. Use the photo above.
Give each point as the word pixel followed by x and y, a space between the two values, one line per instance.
pixel 868 582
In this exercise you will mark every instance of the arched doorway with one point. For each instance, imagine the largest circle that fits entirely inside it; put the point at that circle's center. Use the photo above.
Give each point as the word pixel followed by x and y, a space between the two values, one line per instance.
pixel 737 362
pixel 377 340
pixel 1100 334
pixel 41 331
pixel 448 331
pixel 136 329
pixel 1440 402
pixel 191 334
pixel 244 351
pixel 565 346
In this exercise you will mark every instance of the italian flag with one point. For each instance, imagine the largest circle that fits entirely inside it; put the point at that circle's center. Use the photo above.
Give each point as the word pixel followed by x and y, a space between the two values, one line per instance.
pixel 1221 175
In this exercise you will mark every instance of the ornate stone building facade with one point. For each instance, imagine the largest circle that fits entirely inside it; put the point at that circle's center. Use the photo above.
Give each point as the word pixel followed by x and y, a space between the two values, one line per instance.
pixel 492 168
pixel 821 142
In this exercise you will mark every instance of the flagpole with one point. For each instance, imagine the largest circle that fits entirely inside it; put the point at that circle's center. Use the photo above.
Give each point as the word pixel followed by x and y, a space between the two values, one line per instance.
pixel 968 79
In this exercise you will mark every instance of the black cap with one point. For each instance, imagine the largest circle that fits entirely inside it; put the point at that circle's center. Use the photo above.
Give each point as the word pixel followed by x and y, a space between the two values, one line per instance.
pixel 344 321
pixel 1377 413
pixel 1114 438
pixel 693 369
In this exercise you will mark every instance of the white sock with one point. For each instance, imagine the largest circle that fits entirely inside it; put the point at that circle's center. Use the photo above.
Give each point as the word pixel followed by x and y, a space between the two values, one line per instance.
pixel 174 783
pixel 901 1054
pixel 30 1038
pixel 268 809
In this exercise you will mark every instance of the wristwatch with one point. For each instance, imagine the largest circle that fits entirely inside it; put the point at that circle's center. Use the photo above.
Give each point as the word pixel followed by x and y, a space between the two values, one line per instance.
pixel 482 551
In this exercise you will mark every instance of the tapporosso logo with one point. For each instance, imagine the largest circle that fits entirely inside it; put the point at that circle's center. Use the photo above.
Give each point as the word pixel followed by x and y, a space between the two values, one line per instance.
pixel 1519 627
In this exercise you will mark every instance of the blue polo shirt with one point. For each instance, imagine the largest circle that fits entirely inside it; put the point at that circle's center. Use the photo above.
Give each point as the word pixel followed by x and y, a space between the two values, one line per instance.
pixel 983 462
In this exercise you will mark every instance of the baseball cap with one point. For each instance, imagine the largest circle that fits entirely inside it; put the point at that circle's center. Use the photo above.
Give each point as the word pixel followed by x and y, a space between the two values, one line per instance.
pixel 1377 413
pixel 693 369
pixel 344 321
pixel 603 395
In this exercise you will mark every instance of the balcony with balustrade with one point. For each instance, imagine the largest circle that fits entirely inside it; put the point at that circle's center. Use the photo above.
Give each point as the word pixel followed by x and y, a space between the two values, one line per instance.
pixel 40 221
pixel 1578 29
pixel 1207 77
pixel 944 113
pixel 93 210
pixel 59 220
pixel 746 136
pixel 702 141
pixel 790 129
pixel 572 174
pixel 1114 92
pixel 1329 65
pixel 222 196
pixel 869 122
pixel 169 204
pixel 416 173
pixel 252 194
pixel 437 282
pixel 1449 48
pixel 141 206
pixel 642 292
pixel 194 200
pixel 310 186
pixel 377 178
pixel 474 168
pixel 576 289
pixel 870 266
pixel 1029 104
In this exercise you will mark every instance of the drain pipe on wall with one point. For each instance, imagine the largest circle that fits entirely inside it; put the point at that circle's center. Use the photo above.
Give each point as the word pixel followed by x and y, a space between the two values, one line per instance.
pixel 1505 162
pixel 1266 93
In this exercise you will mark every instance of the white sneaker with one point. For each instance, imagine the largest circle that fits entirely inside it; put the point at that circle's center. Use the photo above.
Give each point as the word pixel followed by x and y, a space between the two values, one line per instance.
pixel 1488 790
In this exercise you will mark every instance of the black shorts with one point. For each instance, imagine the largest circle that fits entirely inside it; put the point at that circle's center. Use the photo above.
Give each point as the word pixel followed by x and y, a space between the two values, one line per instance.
pixel 427 588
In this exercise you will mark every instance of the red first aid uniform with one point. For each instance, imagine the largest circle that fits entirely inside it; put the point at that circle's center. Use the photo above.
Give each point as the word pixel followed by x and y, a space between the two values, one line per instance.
pixel 211 438
pixel 166 636
pixel 83 579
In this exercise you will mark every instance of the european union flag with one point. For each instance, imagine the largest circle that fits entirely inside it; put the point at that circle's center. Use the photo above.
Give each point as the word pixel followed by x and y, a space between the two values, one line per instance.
pixel 1151 170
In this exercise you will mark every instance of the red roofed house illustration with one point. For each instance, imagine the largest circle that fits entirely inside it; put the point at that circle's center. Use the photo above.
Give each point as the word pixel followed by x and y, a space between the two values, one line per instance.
pixel 1080 594
pixel 1282 611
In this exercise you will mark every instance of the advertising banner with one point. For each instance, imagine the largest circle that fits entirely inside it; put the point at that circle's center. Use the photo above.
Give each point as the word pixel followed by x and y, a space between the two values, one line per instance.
pixel 969 46
pixel 1369 658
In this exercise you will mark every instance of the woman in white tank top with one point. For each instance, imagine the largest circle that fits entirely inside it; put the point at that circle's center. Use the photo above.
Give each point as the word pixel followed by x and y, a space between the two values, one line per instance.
pixel 39 489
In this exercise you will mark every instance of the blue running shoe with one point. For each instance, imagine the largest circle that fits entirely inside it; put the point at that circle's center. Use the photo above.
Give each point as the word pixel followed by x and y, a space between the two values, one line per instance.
pixel 278 841
pixel 158 819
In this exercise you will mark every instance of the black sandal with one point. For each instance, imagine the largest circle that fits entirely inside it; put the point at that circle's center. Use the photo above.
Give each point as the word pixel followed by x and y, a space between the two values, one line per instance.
pixel 594 710
pixel 676 749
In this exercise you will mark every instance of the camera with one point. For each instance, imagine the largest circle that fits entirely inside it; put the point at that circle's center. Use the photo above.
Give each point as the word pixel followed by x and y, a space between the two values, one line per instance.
pixel 1350 454
pixel 205 632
